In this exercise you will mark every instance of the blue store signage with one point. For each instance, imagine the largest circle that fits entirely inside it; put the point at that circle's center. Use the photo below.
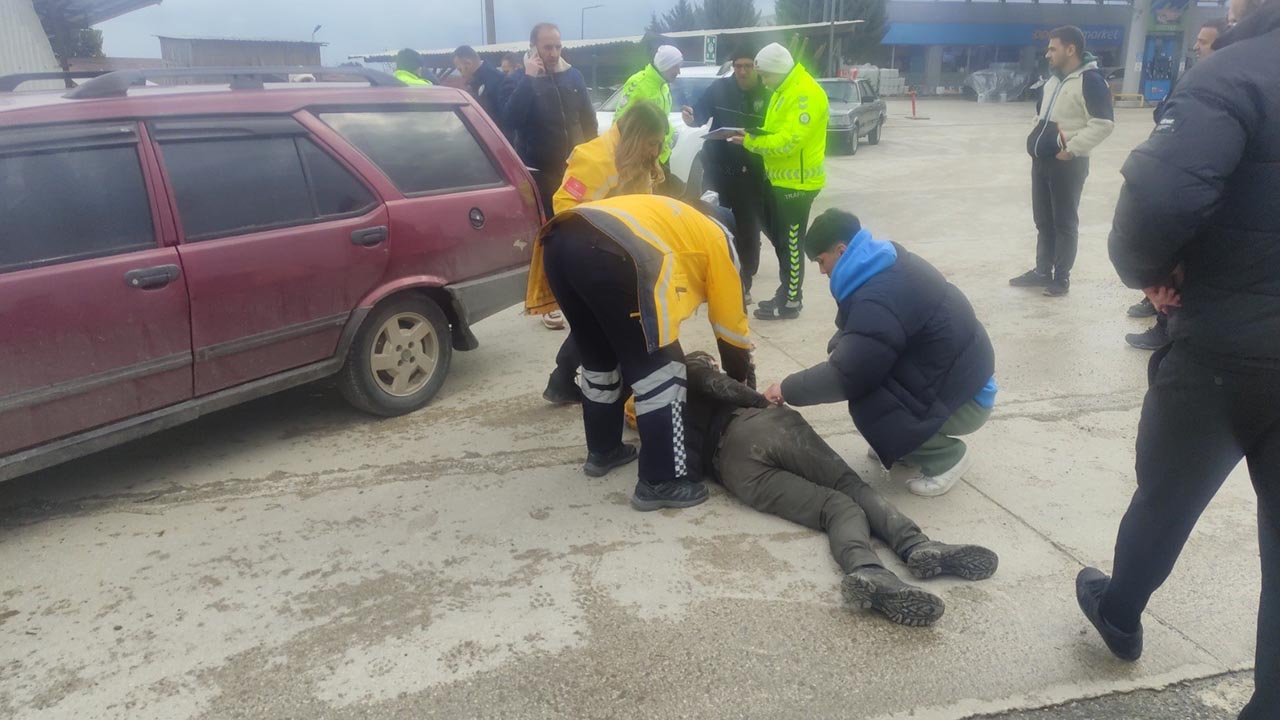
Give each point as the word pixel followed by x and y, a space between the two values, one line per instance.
pixel 902 33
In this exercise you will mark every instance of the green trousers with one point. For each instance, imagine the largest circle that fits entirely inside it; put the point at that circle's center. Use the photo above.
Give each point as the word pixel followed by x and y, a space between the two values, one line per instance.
pixel 790 210
pixel 943 451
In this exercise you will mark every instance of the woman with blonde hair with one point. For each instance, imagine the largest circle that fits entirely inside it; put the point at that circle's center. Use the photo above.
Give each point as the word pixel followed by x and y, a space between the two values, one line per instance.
pixel 622 161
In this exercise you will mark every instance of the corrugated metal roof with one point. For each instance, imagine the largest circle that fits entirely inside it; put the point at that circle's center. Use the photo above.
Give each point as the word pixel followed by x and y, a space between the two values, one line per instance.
pixel 277 41
pixel 23 45
pixel 102 10
pixel 520 45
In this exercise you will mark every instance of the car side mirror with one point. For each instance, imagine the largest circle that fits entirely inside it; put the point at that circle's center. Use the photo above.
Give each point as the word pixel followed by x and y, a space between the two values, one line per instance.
pixel 867 99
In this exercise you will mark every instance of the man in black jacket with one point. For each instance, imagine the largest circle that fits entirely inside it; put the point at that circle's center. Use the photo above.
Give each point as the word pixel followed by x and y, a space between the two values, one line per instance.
pixel 546 106
pixel 909 356
pixel 738 101
pixel 771 459
pixel 1197 228
pixel 484 81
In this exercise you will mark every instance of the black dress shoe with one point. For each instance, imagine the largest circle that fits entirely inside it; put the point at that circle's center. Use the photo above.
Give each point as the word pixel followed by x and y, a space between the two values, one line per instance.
pixel 1057 287
pixel 1091 583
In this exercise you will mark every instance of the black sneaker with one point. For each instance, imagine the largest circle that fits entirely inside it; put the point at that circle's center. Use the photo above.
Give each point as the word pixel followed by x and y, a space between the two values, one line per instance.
pixel 1143 309
pixel 789 310
pixel 561 391
pixel 1153 339
pixel 673 494
pixel 971 562
pixel 875 588
pixel 599 465
pixel 1058 287
pixel 1032 278
pixel 1091 583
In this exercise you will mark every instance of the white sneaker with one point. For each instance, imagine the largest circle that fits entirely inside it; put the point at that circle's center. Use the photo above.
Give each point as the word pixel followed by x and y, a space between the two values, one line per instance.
pixel 553 320
pixel 925 486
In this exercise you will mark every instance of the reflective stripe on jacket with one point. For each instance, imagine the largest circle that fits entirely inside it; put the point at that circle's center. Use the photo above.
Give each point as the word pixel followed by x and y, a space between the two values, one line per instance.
pixel 794 138
pixel 682 259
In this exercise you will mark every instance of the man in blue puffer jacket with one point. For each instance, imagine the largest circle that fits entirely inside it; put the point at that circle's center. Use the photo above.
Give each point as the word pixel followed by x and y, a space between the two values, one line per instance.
pixel 910 356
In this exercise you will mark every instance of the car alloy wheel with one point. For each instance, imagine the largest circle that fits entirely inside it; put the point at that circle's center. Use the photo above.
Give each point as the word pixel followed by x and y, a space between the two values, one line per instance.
pixel 404 354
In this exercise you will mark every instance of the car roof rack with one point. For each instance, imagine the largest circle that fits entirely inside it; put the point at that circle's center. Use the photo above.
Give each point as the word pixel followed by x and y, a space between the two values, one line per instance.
pixel 117 83
pixel 10 83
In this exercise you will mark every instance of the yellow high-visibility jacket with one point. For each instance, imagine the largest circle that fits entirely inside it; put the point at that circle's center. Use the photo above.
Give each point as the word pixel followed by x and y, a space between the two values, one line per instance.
pixel 592 173
pixel 410 79
pixel 682 259
pixel 794 146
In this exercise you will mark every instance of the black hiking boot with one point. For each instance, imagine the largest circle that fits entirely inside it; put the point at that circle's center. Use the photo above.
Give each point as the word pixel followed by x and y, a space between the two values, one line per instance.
pixel 561 391
pixel 599 465
pixel 970 562
pixel 1142 309
pixel 1153 339
pixel 875 588
pixel 1032 278
pixel 675 494
pixel 789 310
pixel 1091 583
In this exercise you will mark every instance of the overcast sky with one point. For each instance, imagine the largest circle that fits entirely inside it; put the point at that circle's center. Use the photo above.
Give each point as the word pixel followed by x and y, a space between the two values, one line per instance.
pixel 354 27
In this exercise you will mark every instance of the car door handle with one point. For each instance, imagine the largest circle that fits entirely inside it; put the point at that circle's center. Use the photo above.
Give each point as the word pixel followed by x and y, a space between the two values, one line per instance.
pixel 152 277
pixel 368 237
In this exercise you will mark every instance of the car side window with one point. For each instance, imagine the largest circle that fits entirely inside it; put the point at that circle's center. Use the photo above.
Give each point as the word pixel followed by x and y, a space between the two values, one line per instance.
pixel 63 197
pixel 236 185
pixel 867 91
pixel 421 151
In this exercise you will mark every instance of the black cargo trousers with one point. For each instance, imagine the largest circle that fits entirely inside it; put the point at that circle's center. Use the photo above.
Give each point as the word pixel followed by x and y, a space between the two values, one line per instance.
pixel 596 285
pixel 1200 418
pixel 774 461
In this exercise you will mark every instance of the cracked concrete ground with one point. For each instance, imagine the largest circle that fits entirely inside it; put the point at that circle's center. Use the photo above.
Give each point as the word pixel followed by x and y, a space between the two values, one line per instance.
pixel 292 558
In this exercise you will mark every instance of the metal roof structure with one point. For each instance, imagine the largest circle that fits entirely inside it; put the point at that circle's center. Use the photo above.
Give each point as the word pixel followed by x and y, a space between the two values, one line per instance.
pixel 102 10
pixel 521 45
pixel 207 38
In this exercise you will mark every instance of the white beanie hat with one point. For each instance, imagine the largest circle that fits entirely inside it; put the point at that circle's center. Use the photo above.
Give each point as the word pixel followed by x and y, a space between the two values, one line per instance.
pixel 667 57
pixel 773 58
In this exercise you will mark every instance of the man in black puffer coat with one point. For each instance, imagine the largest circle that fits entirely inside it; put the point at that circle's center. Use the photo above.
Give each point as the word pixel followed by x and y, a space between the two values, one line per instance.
pixel 1198 229
pixel 910 356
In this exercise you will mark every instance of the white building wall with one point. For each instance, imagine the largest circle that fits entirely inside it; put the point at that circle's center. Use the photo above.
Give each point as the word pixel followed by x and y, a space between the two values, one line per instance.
pixel 23 45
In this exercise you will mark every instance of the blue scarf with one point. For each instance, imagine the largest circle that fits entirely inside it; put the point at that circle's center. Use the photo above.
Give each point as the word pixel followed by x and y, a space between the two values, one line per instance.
pixel 864 258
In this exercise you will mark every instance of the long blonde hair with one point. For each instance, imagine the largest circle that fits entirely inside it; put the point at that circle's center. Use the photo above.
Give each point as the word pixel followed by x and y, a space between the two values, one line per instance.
pixel 640 126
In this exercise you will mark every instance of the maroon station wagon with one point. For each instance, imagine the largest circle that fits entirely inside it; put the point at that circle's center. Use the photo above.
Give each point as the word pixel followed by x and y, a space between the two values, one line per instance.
pixel 168 251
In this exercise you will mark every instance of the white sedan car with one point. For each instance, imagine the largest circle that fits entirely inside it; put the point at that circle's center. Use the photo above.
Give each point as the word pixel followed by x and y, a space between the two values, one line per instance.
pixel 686 146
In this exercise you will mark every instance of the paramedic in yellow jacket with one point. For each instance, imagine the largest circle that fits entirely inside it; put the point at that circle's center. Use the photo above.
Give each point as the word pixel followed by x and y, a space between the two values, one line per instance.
pixel 793 144
pixel 627 271
pixel 622 161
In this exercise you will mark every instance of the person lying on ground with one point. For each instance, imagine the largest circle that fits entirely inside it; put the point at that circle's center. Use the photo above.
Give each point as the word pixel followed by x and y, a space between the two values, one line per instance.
pixel 770 458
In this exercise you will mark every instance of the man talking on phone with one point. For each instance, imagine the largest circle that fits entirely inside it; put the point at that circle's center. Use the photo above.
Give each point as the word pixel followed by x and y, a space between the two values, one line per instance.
pixel 547 108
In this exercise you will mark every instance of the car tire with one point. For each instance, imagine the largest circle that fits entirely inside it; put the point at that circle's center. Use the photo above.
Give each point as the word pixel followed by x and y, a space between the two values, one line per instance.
pixel 874 137
pixel 413 333
pixel 852 147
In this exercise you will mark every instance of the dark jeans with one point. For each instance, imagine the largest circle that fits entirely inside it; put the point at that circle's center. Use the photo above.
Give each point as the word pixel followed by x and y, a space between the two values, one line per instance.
pixel 790 215
pixel 548 183
pixel 1055 201
pixel 744 195
pixel 1198 422
pixel 594 282
pixel 772 460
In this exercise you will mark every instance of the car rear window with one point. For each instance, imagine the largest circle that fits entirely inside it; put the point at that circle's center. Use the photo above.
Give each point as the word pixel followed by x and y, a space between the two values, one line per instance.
pixel 421 151
pixel 232 186
pixel 70 201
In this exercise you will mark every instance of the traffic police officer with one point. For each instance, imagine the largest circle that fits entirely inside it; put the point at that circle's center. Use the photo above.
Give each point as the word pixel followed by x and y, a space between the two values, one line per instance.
pixel 793 143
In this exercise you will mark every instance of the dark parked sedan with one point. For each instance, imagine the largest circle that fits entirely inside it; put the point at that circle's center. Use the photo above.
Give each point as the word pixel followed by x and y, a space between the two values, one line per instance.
pixel 857 111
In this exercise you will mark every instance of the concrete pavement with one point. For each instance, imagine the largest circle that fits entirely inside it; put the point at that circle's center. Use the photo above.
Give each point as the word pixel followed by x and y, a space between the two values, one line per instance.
pixel 294 558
